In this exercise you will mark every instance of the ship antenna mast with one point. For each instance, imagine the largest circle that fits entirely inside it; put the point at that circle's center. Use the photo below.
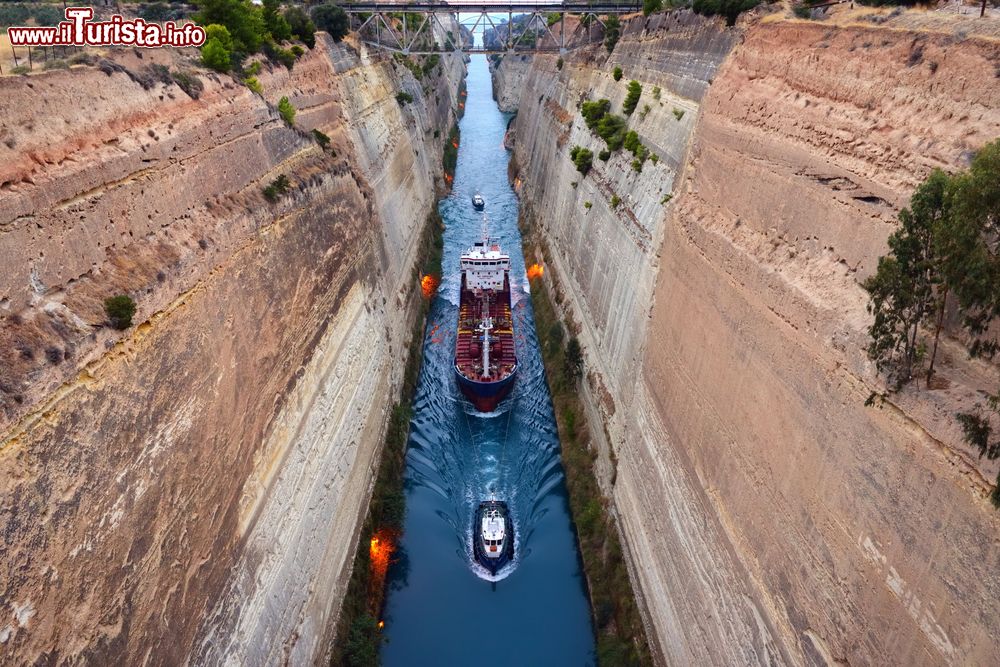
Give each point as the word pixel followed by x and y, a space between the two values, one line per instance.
pixel 486 230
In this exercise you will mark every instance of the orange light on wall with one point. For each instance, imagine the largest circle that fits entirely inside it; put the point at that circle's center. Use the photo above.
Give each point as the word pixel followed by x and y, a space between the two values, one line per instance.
pixel 429 285
pixel 381 624
pixel 535 271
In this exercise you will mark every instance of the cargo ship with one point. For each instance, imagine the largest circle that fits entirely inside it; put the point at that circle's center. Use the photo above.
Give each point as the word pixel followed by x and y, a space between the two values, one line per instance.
pixel 485 362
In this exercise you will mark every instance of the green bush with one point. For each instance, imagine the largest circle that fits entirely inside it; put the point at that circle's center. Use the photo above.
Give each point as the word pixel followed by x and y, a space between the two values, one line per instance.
pixel 617 74
pixel 120 310
pixel 403 98
pixel 656 93
pixel 650 6
pixel 215 56
pixel 279 54
pixel 286 111
pixel 221 33
pixel 593 112
pixel 331 19
pixel 615 201
pixel 297 50
pixel 632 142
pixel 678 113
pixel 612 130
pixel 321 139
pixel 559 63
pixel 587 205
pixel 253 84
pixel 253 69
pixel 605 155
pixel 583 158
pixel 302 26
pixel 632 97
pixel 276 188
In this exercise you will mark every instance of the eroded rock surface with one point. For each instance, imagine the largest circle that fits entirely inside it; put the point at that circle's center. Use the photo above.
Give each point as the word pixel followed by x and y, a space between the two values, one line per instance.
pixel 770 517
pixel 191 489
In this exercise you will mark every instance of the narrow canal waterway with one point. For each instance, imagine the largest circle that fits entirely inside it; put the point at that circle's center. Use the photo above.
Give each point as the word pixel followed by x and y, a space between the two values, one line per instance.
pixel 443 608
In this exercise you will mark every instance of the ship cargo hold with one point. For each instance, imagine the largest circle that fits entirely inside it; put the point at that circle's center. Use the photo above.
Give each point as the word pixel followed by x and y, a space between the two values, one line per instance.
pixel 485 361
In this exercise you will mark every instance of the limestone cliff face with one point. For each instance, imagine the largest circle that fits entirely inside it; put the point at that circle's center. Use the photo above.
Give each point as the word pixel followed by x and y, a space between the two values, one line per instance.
pixel 190 489
pixel 770 516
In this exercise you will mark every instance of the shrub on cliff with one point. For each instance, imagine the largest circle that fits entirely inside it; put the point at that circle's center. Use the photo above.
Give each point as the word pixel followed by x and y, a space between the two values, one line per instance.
pixel 632 97
pixel 583 158
pixel 332 19
pixel 276 188
pixel 216 56
pixel 302 26
pixel 617 74
pixel 593 112
pixel 612 130
pixel 188 82
pixel 573 362
pixel 253 84
pixel 650 6
pixel 286 111
pixel 559 63
pixel 321 139
pixel 403 98
pixel 120 310
pixel 612 31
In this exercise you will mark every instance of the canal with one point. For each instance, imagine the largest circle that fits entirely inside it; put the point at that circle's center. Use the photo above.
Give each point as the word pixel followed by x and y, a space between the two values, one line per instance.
pixel 443 608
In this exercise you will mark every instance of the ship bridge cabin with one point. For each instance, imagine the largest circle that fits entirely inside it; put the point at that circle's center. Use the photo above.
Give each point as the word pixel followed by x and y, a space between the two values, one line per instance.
pixel 484 266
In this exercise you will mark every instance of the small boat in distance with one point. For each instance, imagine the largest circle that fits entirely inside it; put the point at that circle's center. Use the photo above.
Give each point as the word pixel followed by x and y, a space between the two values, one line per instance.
pixel 478 202
pixel 493 535
pixel 485 360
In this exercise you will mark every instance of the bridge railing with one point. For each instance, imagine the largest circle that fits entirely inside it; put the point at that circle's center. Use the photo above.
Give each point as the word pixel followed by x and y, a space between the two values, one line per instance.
pixel 376 22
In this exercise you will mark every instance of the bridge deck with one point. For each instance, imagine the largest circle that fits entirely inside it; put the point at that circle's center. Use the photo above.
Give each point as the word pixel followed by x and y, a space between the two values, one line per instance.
pixel 491 7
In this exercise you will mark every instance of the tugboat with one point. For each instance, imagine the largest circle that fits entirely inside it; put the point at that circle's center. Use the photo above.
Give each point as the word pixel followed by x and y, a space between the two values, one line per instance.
pixel 485 362
pixel 478 202
pixel 493 535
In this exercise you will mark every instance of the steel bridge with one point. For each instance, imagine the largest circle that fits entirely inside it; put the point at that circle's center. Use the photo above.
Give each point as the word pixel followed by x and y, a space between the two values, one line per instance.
pixel 378 24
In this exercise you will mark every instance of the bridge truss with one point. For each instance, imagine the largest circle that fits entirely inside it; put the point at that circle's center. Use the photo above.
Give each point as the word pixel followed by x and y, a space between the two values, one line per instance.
pixel 376 24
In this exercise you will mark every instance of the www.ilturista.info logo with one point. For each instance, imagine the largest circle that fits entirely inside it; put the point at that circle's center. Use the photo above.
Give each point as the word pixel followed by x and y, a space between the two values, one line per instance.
pixel 79 30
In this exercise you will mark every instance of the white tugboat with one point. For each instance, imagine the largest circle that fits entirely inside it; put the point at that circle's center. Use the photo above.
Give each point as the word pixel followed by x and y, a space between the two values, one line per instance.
pixel 493 535
pixel 478 202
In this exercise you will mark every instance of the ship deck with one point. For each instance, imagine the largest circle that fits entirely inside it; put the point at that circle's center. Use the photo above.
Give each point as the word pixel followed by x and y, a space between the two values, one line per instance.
pixel 468 353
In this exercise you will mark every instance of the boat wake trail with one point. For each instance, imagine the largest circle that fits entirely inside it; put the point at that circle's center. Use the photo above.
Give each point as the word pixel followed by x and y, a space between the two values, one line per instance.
pixel 459 456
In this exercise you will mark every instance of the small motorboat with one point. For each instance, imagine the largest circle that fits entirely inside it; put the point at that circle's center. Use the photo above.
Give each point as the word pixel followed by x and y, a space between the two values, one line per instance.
pixel 478 202
pixel 493 535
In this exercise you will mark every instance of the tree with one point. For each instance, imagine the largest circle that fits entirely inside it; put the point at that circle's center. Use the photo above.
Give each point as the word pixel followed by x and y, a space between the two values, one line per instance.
pixel 275 22
pixel 301 25
pixel 332 19
pixel 617 74
pixel 612 31
pixel 650 6
pixel 243 20
pixel 632 97
pixel 120 310
pixel 217 51
pixel 583 158
pixel 907 286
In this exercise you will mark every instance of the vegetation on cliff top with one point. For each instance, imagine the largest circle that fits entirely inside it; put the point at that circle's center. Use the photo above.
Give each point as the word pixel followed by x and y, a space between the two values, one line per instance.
pixel 238 28
pixel 943 258
pixel 730 9
pixel 618 626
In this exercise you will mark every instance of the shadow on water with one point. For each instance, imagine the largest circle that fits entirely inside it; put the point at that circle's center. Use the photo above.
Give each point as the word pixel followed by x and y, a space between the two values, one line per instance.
pixel 443 608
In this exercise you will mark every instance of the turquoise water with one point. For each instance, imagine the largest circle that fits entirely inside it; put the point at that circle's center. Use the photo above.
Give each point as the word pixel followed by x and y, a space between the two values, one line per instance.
pixel 443 608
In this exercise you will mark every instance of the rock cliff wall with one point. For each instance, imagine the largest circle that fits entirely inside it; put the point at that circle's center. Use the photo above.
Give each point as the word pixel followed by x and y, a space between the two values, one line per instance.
pixel 191 488
pixel 770 517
